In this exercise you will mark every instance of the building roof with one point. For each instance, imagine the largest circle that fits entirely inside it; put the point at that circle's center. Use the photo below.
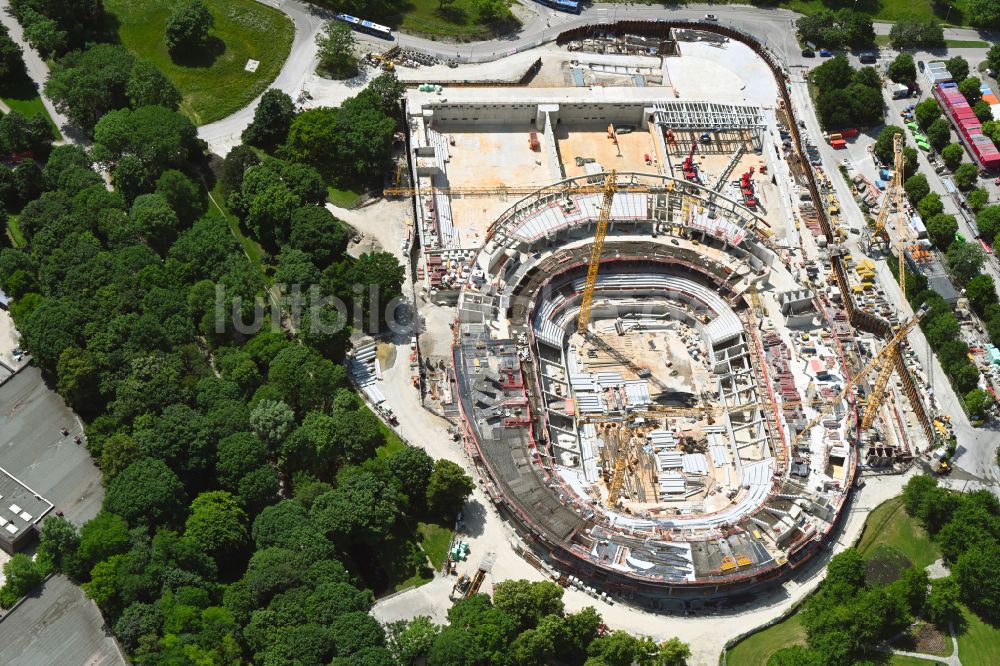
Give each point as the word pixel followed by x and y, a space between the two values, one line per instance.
pixel 20 506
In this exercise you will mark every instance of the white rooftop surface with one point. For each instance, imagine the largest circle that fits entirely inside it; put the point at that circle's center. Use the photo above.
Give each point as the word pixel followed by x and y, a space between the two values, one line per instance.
pixel 590 95
pixel 713 74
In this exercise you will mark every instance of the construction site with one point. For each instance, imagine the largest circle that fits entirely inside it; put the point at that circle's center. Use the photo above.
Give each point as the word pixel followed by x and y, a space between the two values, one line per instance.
pixel 665 366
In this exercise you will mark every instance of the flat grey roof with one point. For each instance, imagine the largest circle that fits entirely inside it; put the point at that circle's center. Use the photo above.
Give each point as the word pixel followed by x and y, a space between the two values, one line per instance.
pixel 20 506
pixel 34 451
pixel 57 625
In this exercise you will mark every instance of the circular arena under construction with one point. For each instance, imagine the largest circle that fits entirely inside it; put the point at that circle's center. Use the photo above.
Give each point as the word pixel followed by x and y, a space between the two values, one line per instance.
pixel 655 361
pixel 650 451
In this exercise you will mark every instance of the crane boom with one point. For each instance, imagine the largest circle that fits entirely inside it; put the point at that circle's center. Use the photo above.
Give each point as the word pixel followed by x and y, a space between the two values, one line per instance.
pixel 885 355
pixel 596 250
pixel 892 191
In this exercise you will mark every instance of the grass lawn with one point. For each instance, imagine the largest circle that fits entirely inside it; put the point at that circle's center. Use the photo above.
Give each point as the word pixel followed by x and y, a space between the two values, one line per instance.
pixel 217 84
pixel 342 198
pixel 457 20
pixel 966 44
pixel 888 524
pixel 755 650
pixel 979 645
pixel 14 231
pixel 392 441
pixel 21 96
pixel 435 540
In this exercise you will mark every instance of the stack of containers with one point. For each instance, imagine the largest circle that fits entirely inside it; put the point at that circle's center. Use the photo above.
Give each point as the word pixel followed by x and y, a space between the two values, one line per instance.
pixel 990 98
pixel 980 147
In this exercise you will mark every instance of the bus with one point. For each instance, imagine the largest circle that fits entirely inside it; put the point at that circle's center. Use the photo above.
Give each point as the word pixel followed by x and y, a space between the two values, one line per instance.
pixel 568 6
pixel 365 26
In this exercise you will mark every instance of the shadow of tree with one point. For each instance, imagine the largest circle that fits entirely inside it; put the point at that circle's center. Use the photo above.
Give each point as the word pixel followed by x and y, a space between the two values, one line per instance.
pixel 203 58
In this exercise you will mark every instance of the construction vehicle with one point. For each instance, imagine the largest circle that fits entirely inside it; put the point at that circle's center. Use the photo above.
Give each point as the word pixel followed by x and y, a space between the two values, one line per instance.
pixel 941 467
pixel 747 189
pixel 689 168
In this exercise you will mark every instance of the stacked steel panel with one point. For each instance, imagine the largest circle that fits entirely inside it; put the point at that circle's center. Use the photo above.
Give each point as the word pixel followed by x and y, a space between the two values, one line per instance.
pixel 979 146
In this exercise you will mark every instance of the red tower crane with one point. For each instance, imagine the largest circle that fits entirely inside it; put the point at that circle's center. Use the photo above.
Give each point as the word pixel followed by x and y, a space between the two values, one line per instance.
pixel 690 170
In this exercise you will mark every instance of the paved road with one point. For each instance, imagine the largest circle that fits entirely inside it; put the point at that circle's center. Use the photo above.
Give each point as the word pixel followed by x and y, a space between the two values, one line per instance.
pixel 38 70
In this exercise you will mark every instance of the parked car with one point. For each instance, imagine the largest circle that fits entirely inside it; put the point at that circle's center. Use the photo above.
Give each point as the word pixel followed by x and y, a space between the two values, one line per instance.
pixel 920 65
pixel 808 53
pixel 868 57
pixel 824 53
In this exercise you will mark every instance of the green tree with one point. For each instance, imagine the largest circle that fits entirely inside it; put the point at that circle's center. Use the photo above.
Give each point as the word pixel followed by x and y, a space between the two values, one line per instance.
pixel 952 155
pixel 234 168
pixel 54 325
pixel 916 187
pixel 316 231
pixel 412 468
pixel 965 261
pixel 79 379
pixel 361 509
pixel 883 144
pixel 271 120
pixel 137 621
pixel 306 380
pixel 958 67
pixel 970 89
pixel 528 602
pixel 237 455
pixel 939 134
pixel 966 176
pixel 448 489
pixel 182 195
pixel 188 27
pixel 979 582
pixel 87 84
pixel 930 206
pixel 977 199
pixel 21 575
pixel 926 112
pixel 272 420
pixel 117 452
pixel 942 606
pixel 217 524
pixel 903 69
pixel 102 536
pixel 146 492
pixel 148 86
pixel 981 292
pixel 941 230
pixel 988 221
pixel 11 64
pixel 153 217
pixel 984 14
pixel 977 402
pixel 454 647
pixel 410 640
pixel 58 540
pixel 336 50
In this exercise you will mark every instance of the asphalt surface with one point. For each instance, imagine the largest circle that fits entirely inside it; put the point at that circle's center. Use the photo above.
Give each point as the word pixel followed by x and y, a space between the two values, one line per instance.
pixel 57 626
pixel 33 449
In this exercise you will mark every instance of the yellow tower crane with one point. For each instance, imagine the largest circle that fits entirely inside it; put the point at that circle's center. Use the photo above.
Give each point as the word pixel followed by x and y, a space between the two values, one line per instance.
pixel 894 194
pixel 889 355
pixel 596 250
pixel 885 356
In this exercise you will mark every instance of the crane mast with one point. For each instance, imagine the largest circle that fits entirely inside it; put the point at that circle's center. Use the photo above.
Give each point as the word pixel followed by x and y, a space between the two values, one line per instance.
pixel 596 250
